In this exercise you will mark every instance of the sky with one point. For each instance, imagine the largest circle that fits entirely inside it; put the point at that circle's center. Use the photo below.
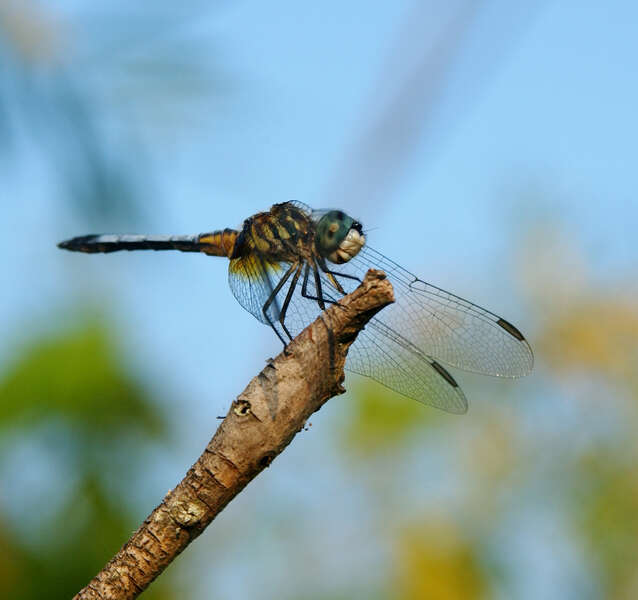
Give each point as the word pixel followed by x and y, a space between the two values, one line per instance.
pixel 536 127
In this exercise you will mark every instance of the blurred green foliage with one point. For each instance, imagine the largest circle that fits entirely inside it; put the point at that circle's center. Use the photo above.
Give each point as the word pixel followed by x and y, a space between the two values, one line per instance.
pixel 76 383
pixel 379 423
pixel 76 376
pixel 83 90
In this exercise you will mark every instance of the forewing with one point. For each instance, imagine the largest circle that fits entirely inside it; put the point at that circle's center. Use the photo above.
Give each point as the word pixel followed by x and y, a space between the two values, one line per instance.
pixel 444 326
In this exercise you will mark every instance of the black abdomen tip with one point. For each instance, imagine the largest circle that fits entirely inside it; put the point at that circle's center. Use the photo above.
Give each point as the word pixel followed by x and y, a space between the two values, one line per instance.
pixel 83 244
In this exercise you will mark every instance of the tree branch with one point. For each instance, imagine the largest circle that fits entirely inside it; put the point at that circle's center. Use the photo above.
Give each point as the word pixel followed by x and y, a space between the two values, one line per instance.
pixel 260 423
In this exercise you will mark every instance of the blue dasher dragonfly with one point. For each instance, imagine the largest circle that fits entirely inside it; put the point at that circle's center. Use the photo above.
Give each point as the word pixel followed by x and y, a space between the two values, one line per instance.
pixel 288 263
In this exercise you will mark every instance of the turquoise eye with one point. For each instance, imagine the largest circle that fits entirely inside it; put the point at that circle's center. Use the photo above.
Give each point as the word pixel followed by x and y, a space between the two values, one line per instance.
pixel 332 229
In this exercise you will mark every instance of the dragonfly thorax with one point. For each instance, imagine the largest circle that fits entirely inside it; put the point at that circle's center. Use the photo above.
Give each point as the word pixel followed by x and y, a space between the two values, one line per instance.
pixel 339 237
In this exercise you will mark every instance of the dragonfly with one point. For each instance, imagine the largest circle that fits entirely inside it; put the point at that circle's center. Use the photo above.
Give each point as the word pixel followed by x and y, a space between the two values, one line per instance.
pixel 288 263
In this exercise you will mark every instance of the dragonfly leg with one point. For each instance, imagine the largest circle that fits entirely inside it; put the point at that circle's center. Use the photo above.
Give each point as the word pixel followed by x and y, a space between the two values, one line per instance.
pixel 333 277
pixel 320 302
pixel 343 275
pixel 284 308
pixel 271 299
pixel 304 285
pixel 304 289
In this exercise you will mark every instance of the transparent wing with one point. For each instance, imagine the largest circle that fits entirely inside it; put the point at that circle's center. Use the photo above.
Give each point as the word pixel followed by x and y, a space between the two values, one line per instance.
pixel 401 346
pixel 314 213
pixel 385 356
pixel 305 208
pixel 252 281
pixel 442 325
pixel 378 352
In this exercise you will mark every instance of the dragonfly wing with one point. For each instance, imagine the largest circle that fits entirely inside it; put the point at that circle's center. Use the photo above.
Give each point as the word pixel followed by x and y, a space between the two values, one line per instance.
pixel 252 280
pixel 444 326
pixel 400 347
pixel 381 353
pixel 303 207
pixel 391 360
pixel 301 311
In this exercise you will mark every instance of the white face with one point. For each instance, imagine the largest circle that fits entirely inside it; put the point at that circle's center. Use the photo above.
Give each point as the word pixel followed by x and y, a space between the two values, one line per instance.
pixel 348 248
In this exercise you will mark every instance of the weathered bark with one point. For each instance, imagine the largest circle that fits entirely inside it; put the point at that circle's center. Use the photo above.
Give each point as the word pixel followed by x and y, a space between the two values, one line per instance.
pixel 261 422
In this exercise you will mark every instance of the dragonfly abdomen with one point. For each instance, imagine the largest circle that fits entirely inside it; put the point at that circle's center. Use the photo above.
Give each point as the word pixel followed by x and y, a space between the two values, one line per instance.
pixel 218 243
pixel 215 243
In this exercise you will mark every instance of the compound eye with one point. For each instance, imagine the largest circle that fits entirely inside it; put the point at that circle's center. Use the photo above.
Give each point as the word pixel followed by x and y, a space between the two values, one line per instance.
pixel 332 231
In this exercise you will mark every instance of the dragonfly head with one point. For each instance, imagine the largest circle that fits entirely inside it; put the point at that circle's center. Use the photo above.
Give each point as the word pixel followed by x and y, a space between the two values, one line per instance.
pixel 339 237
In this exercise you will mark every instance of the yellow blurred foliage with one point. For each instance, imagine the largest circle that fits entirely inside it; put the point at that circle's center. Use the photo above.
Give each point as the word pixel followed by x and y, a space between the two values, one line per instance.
pixel 434 562
pixel 599 334
pixel 583 325
pixel 591 330
pixel 491 456
pixel 606 514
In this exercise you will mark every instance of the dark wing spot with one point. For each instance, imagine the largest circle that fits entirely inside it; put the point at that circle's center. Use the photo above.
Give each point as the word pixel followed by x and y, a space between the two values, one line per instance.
pixel 443 373
pixel 511 330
